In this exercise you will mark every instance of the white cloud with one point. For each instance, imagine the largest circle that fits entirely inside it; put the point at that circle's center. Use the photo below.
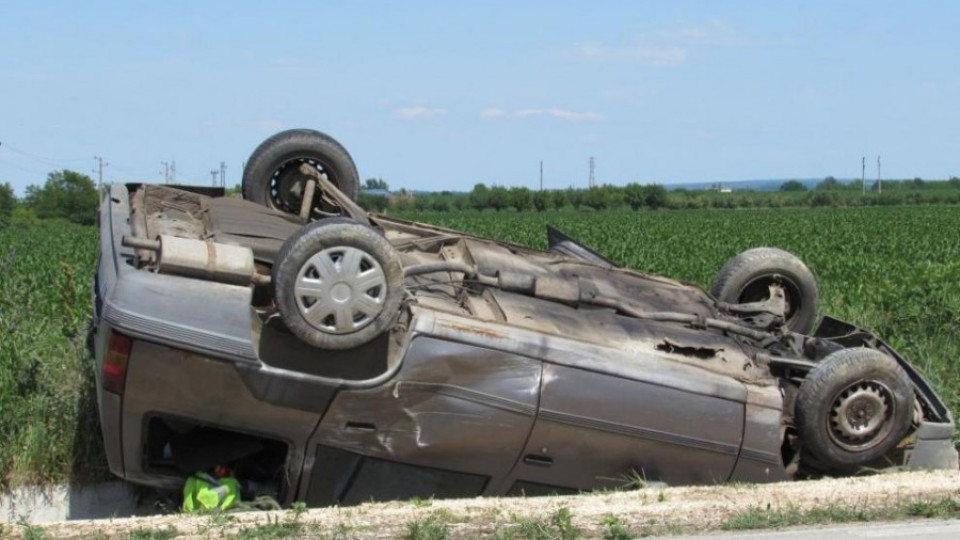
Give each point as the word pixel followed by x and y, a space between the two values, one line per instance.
pixel 713 33
pixel 650 55
pixel 661 48
pixel 493 112
pixel 419 112
pixel 561 114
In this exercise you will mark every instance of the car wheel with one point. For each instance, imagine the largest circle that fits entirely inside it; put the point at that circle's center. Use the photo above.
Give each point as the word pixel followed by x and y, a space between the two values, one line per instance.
pixel 853 408
pixel 338 284
pixel 272 175
pixel 748 276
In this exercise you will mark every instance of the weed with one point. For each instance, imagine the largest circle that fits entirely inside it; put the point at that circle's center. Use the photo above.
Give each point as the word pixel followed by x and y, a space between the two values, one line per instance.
pixel 421 503
pixel 767 518
pixel 431 528
pixel 154 534
pixel 614 528
pixel 32 532
pixel 288 527
pixel 558 525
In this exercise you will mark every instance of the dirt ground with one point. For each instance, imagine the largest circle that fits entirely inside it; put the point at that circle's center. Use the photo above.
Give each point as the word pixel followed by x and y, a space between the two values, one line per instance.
pixel 641 512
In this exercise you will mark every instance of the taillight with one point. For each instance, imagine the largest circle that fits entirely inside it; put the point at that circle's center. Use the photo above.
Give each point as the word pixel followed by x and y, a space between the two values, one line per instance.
pixel 115 362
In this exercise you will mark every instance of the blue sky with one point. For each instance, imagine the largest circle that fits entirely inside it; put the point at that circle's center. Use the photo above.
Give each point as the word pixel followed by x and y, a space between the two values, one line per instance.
pixel 442 95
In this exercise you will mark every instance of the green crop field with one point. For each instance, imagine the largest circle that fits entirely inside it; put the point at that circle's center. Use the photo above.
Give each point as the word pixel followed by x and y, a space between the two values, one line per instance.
pixel 48 425
pixel 892 270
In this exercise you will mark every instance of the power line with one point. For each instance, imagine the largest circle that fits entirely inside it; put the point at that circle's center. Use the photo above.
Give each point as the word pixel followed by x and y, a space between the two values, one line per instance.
pixel 41 159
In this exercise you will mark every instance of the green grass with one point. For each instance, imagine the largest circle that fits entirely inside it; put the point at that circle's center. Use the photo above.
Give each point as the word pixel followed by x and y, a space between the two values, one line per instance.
pixel 154 534
pixel 765 518
pixel 432 527
pixel 614 528
pixel 556 526
pixel 48 417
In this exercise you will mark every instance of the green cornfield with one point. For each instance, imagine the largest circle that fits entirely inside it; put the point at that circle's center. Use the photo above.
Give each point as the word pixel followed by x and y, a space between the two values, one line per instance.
pixel 48 425
pixel 894 271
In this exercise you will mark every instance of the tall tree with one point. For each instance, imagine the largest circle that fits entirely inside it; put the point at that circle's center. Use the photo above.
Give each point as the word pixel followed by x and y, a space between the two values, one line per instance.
pixel 828 184
pixel 67 195
pixel 793 185
pixel 480 197
pixel 7 202
pixel 376 183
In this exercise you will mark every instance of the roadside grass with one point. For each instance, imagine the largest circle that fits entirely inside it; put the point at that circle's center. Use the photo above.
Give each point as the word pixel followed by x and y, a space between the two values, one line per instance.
pixel 792 516
pixel 607 516
pixel 166 533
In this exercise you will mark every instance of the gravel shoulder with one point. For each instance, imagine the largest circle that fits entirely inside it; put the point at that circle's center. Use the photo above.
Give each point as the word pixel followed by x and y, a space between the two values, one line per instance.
pixel 612 515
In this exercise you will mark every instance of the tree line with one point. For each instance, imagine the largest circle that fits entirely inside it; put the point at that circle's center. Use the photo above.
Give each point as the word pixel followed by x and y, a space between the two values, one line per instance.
pixel 65 196
pixel 792 193
pixel 71 196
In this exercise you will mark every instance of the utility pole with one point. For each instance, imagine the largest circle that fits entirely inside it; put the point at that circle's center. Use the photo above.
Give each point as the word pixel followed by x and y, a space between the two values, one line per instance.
pixel 879 178
pixel 173 171
pixel 166 172
pixel 213 176
pixel 592 181
pixel 863 174
pixel 223 174
pixel 541 175
pixel 100 166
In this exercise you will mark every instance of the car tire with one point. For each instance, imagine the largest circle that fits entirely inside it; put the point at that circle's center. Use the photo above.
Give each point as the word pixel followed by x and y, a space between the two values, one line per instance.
pixel 338 284
pixel 852 409
pixel 746 278
pixel 272 175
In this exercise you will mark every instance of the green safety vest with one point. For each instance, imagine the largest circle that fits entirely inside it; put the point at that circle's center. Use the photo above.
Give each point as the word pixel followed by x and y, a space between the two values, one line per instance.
pixel 203 492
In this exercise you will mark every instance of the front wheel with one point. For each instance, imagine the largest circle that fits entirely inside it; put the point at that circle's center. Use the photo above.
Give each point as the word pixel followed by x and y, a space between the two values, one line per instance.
pixel 853 408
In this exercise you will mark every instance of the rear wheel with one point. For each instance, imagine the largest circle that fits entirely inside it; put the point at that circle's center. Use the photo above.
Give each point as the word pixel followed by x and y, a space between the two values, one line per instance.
pixel 853 408
pixel 748 277
pixel 338 284
pixel 272 175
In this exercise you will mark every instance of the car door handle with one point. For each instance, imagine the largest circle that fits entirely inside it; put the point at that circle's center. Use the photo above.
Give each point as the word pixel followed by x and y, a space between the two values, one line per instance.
pixel 537 460
pixel 361 426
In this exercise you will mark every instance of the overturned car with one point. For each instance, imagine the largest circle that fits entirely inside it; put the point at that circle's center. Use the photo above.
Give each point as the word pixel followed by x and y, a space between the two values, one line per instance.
pixel 327 355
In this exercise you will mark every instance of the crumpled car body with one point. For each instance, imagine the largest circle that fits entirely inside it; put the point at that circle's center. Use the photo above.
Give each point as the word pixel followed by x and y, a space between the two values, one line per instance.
pixel 504 371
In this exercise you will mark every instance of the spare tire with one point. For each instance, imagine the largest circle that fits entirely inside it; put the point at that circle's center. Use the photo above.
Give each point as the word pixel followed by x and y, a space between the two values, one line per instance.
pixel 748 276
pixel 272 175
pixel 852 408
pixel 338 284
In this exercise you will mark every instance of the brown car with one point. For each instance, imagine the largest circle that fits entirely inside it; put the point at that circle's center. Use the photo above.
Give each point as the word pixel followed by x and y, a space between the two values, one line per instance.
pixel 327 355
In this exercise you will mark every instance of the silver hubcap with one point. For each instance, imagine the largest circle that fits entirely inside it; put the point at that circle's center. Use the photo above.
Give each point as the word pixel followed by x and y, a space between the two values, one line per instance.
pixel 858 416
pixel 340 290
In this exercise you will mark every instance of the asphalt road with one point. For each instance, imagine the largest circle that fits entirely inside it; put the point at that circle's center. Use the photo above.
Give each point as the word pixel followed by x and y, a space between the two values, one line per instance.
pixel 927 530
